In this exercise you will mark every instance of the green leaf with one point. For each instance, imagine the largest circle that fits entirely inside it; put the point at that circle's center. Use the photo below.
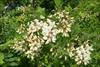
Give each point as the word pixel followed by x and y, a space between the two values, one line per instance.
pixel 58 3
pixel 1 58
pixel 5 45
pixel 13 64
pixel 12 59
pixel 40 11
pixel 74 65
pixel 98 42
pixel 1 5
pixel 10 55
pixel 49 65
pixel 68 8
pixel 46 60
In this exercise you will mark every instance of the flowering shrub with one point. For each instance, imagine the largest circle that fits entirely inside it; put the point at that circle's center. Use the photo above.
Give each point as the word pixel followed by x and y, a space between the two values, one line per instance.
pixel 49 33
pixel 43 31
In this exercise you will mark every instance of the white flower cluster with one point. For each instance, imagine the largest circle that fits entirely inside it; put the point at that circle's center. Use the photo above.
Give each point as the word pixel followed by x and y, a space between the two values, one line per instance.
pixel 44 31
pixel 64 22
pixel 49 31
pixel 81 54
pixel 33 46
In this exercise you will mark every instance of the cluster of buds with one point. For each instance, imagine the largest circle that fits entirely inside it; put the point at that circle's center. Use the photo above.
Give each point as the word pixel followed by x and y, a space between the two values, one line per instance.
pixel 82 53
pixel 19 45
pixel 44 31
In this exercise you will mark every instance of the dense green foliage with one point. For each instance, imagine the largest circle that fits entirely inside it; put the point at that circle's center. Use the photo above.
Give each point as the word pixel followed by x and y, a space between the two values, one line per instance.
pixel 86 14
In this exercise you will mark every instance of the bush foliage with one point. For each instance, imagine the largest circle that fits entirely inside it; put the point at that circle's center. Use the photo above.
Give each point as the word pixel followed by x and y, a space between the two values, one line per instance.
pixel 84 30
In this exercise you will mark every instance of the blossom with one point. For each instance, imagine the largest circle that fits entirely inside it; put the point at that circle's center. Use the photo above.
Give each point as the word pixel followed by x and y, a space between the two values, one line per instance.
pixel 34 26
pixel 42 17
pixel 65 22
pixel 82 53
pixel 65 29
pixel 49 32
pixel 34 46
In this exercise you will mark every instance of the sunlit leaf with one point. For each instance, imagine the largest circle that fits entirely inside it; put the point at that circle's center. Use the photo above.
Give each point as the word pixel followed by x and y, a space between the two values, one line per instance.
pixel 1 58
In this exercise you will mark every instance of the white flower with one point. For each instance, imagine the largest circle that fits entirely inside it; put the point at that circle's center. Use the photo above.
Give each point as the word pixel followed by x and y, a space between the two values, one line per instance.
pixel 81 53
pixel 60 56
pixel 32 28
pixel 51 49
pixel 35 26
pixel 50 16
pixel 49 34
pixel 49 31
pixel 34 44
pixel 79 62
